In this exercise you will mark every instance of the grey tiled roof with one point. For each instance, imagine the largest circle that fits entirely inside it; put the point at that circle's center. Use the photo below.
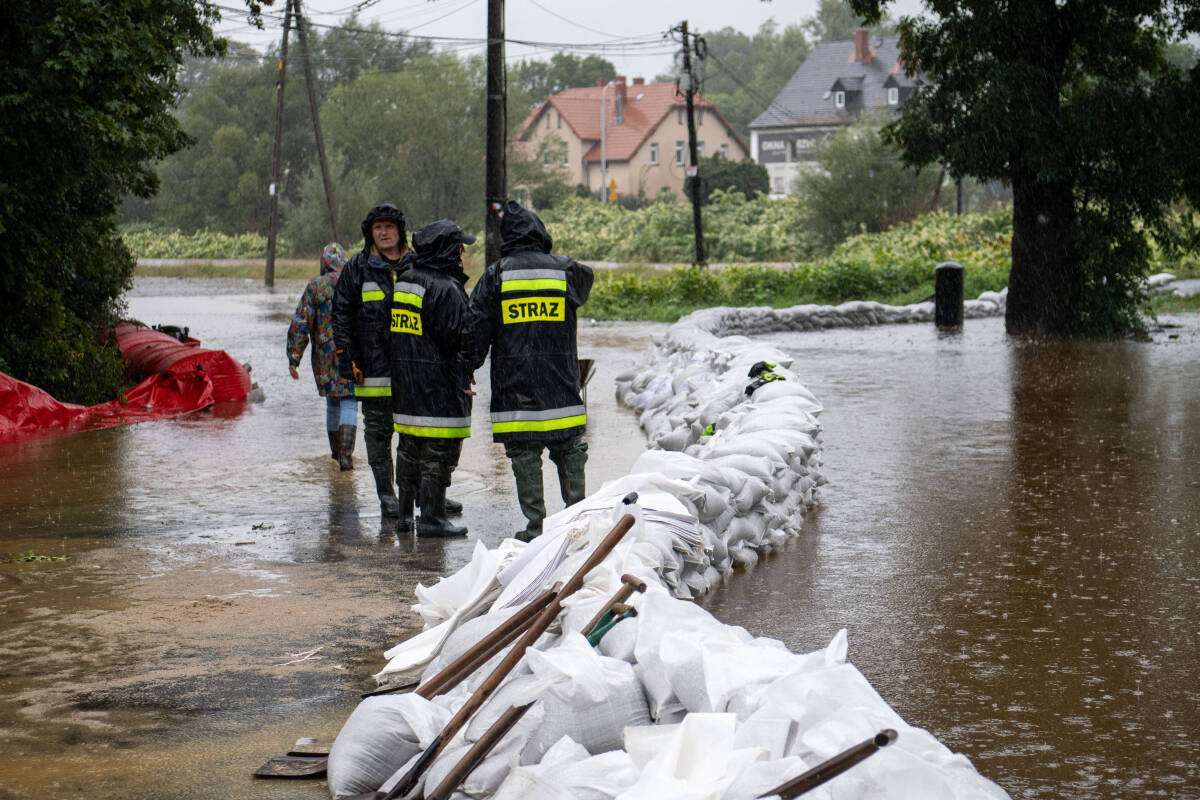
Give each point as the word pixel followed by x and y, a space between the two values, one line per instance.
pixel 803 101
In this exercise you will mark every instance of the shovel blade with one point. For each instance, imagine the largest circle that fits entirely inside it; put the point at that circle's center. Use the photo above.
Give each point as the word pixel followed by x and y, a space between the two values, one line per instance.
pixel 293 767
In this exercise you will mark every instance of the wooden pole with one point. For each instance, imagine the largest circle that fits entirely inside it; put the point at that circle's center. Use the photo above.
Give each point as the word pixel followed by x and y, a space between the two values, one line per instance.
pixel 275 189
pixel 495 177
pixel 301 26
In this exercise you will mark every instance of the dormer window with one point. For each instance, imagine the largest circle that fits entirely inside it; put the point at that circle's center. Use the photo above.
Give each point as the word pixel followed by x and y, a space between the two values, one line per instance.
pixel 839 99
pixel 893 96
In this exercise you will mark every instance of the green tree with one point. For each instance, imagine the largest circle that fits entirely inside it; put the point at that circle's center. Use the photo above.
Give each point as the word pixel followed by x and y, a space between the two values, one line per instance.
pixel 742 74
pixel 86 89
pixel 1077 106
pixel 835 21
pixel 722 174
pixel 861 186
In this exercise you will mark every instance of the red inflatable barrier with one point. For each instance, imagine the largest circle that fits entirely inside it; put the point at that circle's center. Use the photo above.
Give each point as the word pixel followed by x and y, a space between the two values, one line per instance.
pixel 176 378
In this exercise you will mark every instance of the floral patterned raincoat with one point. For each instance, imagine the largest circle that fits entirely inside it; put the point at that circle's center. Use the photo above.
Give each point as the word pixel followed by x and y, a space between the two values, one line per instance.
pixel 313 321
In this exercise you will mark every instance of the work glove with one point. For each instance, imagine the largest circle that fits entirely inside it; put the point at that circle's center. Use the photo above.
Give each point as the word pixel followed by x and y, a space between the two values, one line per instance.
pixel 357 373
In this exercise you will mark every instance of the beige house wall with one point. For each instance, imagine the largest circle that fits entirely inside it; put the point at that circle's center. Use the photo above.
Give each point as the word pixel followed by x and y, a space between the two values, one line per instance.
pixel 639 174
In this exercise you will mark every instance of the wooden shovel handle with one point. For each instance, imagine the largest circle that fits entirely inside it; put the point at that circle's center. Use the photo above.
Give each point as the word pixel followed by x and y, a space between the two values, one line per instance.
pixel 461 667
pixel 478 752
pixel 513 657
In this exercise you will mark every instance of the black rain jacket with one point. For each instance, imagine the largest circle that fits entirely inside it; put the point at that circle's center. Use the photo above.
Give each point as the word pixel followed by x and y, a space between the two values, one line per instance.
pixel 428 333
pixel 523 309
pixel 361 305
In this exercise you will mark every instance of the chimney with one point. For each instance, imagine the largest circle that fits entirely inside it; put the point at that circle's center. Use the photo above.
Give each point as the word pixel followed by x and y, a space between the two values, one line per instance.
pixel 620 87
pixel 862 50
pixel 639 81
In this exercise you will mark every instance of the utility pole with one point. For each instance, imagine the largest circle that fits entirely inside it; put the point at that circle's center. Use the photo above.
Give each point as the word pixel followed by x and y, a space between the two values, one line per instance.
pixel 301 26
pixel 494 176
pixel 689 86
pixel 272 221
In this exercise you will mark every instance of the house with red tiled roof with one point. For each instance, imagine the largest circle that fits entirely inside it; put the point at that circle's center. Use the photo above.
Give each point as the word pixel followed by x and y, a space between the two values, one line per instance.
pixel 634 135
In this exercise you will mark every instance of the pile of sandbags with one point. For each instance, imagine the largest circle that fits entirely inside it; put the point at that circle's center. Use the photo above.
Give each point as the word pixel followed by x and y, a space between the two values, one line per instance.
pixel 670 703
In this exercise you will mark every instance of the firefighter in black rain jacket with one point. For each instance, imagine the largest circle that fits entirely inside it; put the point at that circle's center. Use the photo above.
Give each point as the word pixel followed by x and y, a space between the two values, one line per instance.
pixel 360 329
pixel 431 375
pixel 523 308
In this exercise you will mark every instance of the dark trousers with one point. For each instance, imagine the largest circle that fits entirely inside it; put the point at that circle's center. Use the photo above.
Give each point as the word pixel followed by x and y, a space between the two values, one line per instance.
pixel 568 455
pixel 418 457
pixel 377 434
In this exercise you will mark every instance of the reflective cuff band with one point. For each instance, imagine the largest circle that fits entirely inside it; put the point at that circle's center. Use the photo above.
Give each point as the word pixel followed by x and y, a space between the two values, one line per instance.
pixel 374 387
pixel 552 419
pixel 432 427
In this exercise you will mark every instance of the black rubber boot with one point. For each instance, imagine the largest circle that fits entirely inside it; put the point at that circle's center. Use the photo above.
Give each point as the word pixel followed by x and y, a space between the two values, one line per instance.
pixel 453 508
pixel 389 506
pixel 345 457
pixel 334 438
pixel 433 522
pixel 404 522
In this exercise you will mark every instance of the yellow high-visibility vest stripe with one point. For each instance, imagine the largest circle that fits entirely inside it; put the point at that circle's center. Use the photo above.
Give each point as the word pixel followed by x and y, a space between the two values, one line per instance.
pixel 372 391
pixel 539 425
pixel 408 297
pixel 533 285
pixel 432 433
pixel 372 295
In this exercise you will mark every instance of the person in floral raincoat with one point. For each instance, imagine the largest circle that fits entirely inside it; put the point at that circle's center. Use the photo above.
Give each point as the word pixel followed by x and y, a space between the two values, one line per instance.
pixel 313 321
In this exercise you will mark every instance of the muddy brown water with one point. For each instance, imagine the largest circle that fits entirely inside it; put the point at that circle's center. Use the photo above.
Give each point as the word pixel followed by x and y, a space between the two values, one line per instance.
pixel 1010 536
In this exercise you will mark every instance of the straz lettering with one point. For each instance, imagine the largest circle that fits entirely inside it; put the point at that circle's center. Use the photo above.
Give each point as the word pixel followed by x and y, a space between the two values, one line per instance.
pixel 406 322
pixel 533 309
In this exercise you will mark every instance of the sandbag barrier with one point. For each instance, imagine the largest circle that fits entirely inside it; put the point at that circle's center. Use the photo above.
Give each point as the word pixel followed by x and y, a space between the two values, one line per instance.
pixel 671 703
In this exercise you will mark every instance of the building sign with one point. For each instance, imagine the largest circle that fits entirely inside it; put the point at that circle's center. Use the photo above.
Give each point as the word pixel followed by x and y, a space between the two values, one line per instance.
pixel 781 148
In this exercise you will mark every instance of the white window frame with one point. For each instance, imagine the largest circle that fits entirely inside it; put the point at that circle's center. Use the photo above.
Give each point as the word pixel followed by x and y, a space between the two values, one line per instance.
pixel 654 152
pixel 566 155
pixel 725 151
pixel 893 96
pixel 839 99
pixel 680 151
pixel 699 150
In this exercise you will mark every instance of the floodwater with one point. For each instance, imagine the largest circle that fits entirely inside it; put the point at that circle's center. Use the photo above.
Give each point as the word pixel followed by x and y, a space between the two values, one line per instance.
pixel 226 590
pixel 1011 536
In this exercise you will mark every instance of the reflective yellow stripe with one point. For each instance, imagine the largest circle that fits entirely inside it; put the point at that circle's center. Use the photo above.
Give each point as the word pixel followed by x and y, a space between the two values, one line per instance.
pixel 532 284
pixel 407 297
pixel 368 296
pixel 539 425
pixel 432 433
pixel 372 391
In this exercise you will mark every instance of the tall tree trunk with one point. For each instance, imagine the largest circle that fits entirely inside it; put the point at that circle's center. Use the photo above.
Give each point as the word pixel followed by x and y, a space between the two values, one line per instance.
pixel 1047 275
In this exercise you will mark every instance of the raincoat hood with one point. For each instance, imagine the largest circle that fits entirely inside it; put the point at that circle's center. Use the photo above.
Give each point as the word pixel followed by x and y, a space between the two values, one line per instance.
pixel 333 258
pixel 521 231
pixel 436 246
pixel 388 211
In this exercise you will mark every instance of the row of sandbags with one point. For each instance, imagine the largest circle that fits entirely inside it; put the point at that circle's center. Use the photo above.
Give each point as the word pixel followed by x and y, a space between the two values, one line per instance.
pixel 671 703
pixel 852 314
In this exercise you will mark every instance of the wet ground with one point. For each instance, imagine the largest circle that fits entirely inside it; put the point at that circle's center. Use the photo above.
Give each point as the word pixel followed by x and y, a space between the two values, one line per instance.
pixel 226 589
pixel 1010 535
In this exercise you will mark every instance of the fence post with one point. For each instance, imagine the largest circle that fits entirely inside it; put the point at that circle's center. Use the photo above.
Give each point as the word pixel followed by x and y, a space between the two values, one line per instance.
pixel 948 295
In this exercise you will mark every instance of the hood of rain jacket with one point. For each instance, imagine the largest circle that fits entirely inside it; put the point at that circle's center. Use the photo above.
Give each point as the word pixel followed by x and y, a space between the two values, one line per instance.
pixel 521 231
pixel 333 258
pixel 388 211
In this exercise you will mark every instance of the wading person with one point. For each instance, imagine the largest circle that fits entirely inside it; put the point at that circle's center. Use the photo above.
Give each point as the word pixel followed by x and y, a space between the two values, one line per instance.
pixel 361 305
pixel 523 308
pixel 313 322
pixel 431 375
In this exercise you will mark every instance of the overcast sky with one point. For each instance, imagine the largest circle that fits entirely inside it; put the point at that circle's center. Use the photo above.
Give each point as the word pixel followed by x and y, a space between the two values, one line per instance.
pixel 629 33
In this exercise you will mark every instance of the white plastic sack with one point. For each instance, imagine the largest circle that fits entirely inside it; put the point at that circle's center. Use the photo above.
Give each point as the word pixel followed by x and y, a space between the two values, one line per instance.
pixel 378 738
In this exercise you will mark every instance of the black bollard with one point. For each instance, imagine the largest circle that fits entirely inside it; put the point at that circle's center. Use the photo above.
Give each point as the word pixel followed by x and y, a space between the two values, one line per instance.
pixel 948 296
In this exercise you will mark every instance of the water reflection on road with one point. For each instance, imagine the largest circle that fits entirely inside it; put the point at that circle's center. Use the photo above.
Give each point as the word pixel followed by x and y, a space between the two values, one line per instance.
pixel 1010 534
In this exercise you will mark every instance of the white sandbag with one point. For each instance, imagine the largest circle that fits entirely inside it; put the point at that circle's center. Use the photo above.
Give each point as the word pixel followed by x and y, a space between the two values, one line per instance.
pixel 567 772
pixel 751 465
pixel 694 760
pixel 487 776
pixel 378 738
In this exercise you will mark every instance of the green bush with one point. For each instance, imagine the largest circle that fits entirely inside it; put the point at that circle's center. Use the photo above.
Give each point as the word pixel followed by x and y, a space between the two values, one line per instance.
pixel 894 267
pixel 145 242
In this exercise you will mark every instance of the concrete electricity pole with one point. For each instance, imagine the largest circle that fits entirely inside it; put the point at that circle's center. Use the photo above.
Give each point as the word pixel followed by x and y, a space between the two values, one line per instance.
pixel 688 82
pixel 272 220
